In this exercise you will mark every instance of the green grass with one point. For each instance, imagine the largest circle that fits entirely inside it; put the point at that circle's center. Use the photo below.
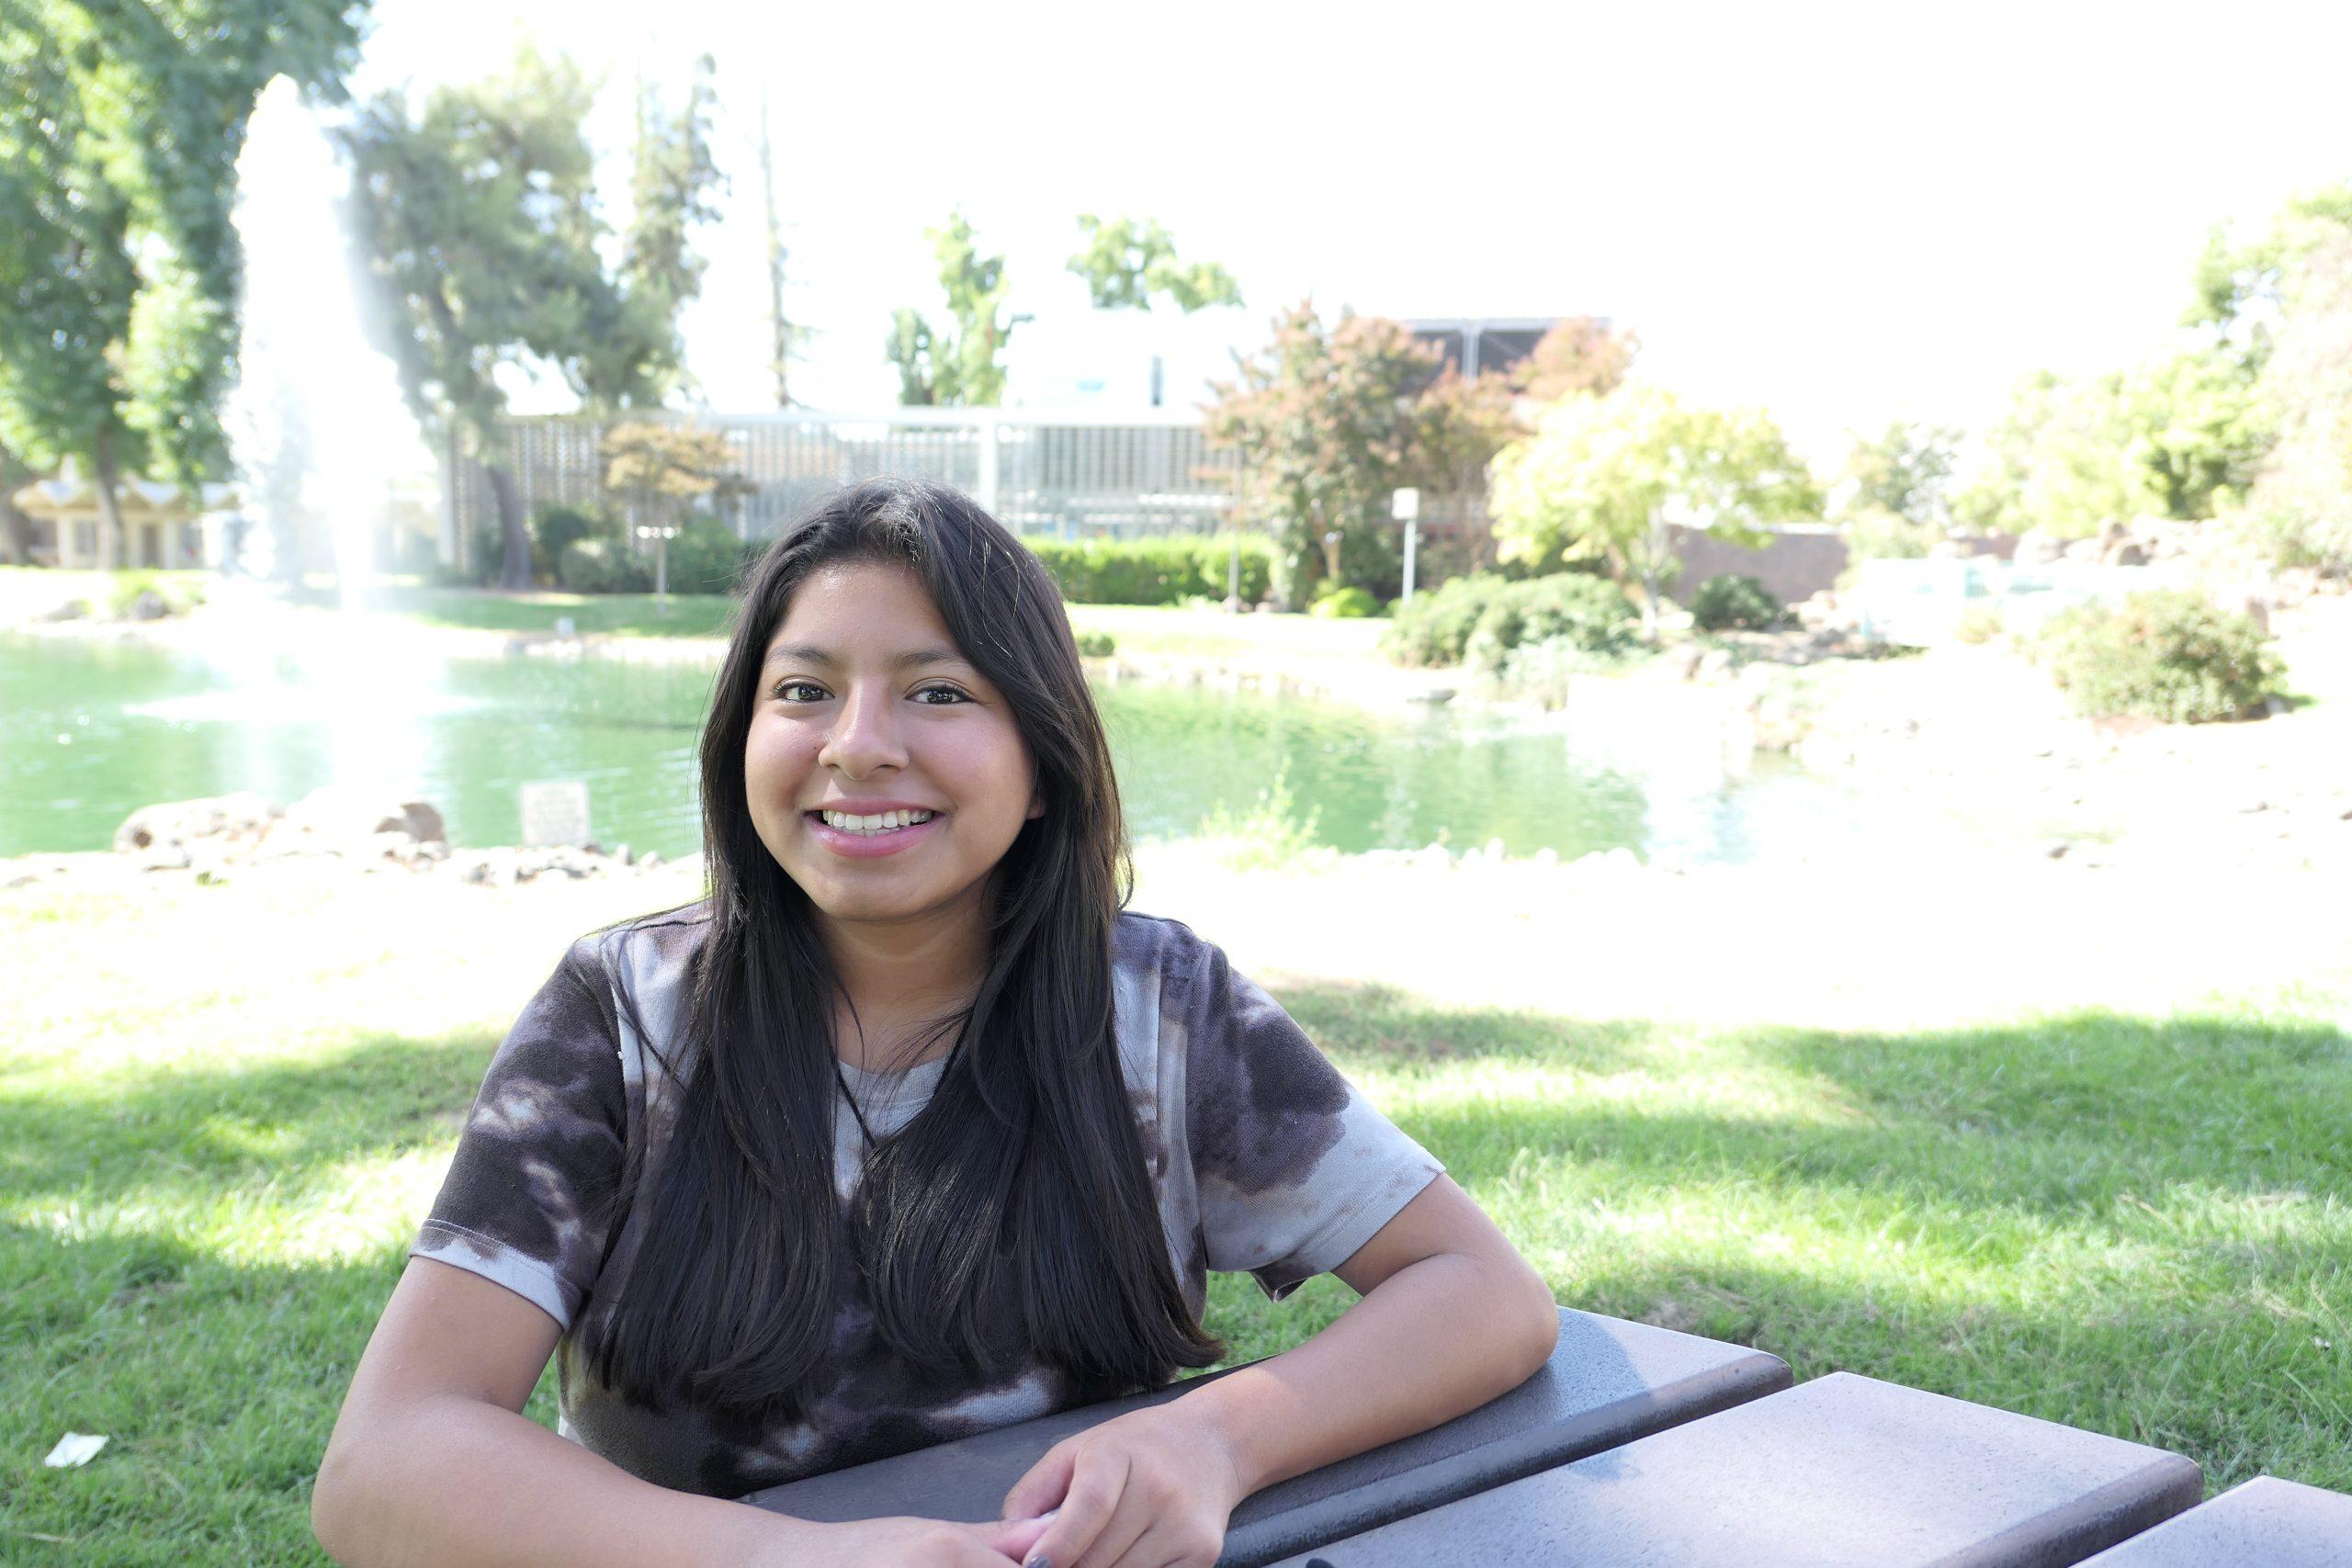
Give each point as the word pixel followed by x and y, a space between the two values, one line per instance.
pixel 222 1111
pixel 480 609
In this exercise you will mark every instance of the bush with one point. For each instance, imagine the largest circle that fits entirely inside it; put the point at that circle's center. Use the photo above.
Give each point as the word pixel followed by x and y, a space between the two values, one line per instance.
pixel 179 595
pixel 1096 645
pixel 2167 654
pixel 1434 629
pixel 1166 568
pixel 1479 619
pixel 707 557
pixel 602 566
pixel 554 528
pixel 1344 603
pixel 1734 603
pixel 1978 624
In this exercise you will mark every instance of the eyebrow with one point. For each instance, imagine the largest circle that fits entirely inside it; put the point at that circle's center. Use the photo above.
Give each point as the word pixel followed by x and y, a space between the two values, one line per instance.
pixel 809 653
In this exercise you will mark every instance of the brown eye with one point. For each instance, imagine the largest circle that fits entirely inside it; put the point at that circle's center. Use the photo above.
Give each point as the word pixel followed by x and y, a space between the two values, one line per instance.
pixel 784 686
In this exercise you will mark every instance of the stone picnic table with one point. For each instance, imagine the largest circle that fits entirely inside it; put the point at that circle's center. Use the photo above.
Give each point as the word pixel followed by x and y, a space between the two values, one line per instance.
pixel 1637 1446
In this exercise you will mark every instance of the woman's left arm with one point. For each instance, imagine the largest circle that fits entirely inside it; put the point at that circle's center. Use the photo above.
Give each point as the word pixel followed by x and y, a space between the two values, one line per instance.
pixel 1451 1317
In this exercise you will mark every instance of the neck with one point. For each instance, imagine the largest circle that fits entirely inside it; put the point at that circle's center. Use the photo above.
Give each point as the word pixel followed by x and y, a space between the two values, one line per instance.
pixel 899 975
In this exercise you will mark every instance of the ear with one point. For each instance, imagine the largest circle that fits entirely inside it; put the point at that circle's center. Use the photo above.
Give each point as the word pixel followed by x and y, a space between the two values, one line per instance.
pixel 1036 804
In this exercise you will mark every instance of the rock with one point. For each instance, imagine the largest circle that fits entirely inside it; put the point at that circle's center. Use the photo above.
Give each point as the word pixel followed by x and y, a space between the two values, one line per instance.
pixel 2089 550
pixel 1433 857
pixel 341 816
pixel 2126 552
pixel 168 857
pixel 242 818
pixel 149 605
pixel 2038 546
pixel 2056 849
pixel 72 610
pixel 648 862
pixel 1493 852
pixel 1547 855
pixel 1713 665
pixel 1684 662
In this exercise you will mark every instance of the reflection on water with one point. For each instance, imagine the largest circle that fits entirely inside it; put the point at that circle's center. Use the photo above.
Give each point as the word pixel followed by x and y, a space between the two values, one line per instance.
pixel 91 731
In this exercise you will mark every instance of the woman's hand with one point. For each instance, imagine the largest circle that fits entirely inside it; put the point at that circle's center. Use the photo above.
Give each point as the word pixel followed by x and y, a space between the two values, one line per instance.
pixel 894 1543
pixel 1151 1489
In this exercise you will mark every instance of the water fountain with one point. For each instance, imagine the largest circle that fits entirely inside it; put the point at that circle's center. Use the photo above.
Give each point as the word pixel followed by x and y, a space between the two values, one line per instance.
pixel 321 435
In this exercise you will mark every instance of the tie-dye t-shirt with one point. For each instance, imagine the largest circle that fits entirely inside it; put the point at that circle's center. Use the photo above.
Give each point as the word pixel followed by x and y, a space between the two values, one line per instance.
pixel 1263 1159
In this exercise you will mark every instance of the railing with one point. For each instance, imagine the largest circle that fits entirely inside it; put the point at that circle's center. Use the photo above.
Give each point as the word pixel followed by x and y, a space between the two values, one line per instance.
pixel 1049 474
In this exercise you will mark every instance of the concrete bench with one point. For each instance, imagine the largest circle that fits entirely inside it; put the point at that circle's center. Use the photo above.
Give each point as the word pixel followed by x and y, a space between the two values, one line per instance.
pixel 1607 1384
pixel 1844 1471
pixel 2267 1523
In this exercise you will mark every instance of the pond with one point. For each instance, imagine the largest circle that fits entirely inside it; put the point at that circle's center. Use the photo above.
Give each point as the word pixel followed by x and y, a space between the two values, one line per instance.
pixel 90 732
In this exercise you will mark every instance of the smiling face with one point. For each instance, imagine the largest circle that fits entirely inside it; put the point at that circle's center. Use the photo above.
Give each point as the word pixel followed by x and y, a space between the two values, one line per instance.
pixel 865 704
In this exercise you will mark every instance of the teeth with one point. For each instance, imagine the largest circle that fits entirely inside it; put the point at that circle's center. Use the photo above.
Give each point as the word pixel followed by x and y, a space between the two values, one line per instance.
pixel 887 822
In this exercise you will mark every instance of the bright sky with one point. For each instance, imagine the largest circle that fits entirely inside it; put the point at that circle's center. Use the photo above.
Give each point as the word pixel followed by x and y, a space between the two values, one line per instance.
pixel 1847 213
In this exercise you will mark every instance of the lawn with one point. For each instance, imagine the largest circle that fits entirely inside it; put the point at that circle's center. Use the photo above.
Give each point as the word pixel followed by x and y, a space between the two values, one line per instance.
pixel 222 1111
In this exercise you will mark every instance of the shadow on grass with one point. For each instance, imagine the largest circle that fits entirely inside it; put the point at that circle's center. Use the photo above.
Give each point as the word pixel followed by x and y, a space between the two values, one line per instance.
pixel 196 1132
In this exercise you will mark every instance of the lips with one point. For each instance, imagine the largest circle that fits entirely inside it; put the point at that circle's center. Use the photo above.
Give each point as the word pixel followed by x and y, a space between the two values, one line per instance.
pixel 868 846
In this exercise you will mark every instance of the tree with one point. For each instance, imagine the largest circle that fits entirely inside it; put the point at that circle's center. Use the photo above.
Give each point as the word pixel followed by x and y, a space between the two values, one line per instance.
pixel 1328 422
pixel 630 354
pixel 1578 354
pixel 1126 262
pixel 1894 496
pixel 2302 493
pixel 2238 286
pixel 662 467
pixel 118 145
pixel 1602 477
pixel 961 370
pixel 478 219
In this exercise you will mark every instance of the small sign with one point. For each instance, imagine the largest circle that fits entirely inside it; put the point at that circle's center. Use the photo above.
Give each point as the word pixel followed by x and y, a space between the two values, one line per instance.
pixel 555 812
pixel 1405 505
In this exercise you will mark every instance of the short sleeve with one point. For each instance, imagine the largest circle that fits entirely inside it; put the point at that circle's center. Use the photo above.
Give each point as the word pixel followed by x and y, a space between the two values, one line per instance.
pixel 1293 1171
pixel 527 1199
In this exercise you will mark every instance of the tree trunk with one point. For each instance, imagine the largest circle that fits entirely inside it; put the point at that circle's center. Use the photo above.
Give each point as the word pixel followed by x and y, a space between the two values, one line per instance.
pixel 16 528
pixel 514 570
pixel 105 480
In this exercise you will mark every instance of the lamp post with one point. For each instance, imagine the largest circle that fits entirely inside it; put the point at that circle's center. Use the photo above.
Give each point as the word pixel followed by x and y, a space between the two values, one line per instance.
pixel 1405 506
pixel 660 538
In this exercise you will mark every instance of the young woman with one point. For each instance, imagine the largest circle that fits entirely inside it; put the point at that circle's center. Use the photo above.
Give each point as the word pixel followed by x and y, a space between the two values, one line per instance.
pixel 907 1131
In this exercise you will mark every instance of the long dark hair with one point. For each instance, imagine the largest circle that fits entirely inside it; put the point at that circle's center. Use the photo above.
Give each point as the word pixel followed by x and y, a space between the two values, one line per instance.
pixel 1013 1215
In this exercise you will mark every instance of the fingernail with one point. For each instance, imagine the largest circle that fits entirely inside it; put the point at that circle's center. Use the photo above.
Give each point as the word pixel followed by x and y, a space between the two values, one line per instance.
pixel 1040 1560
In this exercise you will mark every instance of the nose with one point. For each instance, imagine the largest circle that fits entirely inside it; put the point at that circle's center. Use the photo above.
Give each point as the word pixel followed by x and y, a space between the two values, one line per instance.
pixel 866 736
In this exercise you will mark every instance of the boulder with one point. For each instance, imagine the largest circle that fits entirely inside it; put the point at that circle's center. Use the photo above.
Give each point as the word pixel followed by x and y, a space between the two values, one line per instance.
pixel 72 610
pixel 240 819
pixel 345 814
pixel 2090 550
pixel 2126 552
pixel 149 605
pixel 2038 546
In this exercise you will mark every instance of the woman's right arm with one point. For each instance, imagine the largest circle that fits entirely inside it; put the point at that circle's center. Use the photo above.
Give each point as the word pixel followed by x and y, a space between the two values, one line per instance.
pixel 431 1462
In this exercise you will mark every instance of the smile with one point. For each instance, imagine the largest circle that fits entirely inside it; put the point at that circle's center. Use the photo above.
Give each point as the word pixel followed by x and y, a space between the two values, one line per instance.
pixel 861 837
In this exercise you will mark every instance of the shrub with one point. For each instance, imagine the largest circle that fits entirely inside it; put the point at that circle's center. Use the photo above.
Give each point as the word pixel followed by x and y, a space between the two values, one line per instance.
pixel 1344 603
pixel 2165 653
pixel 1978 624
pixel 707 557
pixel 1479 619
pixel 1166 568
pixel 1096 645
pixel 1435 627
pixel 602 566
pixel 1734 601
pixel 1271 835
pixel 552 528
